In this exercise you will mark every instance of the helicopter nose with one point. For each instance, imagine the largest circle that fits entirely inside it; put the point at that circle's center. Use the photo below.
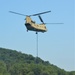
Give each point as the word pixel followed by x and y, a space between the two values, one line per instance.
pixel 46 30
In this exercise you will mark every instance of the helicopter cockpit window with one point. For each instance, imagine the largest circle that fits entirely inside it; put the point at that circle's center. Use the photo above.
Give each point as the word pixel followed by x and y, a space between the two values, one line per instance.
pixel 45 27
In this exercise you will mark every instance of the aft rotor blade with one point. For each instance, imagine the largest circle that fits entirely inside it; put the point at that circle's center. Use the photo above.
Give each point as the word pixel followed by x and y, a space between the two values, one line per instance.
pixel 40 13
pixel 17 13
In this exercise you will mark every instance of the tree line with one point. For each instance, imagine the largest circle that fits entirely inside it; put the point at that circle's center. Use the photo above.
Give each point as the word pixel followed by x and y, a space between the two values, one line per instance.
pixel 13 62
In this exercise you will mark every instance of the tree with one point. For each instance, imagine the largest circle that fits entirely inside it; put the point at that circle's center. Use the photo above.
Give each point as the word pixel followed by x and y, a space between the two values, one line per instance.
pixel 31 73
pixel 3 69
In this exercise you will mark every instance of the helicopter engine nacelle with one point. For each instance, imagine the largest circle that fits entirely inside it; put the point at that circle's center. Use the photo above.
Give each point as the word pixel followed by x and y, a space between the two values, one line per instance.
pixel 28 19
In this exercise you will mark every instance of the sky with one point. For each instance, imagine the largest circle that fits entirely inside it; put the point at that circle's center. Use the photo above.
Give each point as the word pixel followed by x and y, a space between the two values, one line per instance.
pixel 56 45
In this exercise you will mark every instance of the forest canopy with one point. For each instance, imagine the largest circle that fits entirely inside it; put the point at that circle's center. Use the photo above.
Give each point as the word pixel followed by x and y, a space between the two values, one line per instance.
pixel 13 62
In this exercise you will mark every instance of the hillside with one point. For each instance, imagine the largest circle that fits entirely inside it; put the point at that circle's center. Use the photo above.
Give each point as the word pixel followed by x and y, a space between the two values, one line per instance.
pixel 17 63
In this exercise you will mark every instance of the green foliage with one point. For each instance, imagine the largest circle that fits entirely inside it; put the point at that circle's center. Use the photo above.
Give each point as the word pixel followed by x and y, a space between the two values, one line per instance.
pixel 17 63
pixel 71 73
pixel 3 69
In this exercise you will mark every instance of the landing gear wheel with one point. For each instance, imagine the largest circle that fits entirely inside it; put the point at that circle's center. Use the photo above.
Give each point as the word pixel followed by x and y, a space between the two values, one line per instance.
pixel 27 30
pixel 36 33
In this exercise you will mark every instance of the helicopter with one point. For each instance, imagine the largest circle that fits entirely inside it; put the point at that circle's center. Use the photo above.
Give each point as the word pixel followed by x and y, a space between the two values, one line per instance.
pixel 32 25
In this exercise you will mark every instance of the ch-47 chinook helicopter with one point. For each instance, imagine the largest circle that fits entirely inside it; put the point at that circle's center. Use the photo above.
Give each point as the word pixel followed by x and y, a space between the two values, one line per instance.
pixel 32 26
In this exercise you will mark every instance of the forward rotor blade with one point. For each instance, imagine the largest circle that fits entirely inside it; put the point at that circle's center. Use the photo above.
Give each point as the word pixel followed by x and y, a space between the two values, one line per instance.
pixel 17 13
pixel 41 19
pixel 53 23
pixel 40 13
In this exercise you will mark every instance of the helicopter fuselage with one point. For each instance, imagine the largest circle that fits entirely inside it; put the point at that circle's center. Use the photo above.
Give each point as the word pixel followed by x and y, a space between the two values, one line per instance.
pixel 36 27
pixel 31 25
